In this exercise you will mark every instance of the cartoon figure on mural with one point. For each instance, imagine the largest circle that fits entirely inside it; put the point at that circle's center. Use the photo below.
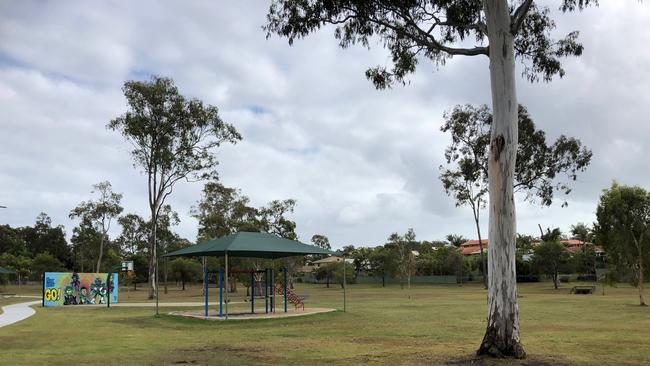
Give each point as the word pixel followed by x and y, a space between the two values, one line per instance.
pixel 68 296
pixel 83 296
pixel 98 288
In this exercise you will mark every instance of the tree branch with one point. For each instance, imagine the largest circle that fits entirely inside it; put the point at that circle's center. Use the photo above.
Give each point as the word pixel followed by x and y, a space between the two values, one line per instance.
pixel 519 16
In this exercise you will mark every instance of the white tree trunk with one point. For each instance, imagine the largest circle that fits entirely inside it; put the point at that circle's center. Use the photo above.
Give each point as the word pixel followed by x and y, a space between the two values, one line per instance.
pixel 101 251
pixel 502 333
pixel 152 259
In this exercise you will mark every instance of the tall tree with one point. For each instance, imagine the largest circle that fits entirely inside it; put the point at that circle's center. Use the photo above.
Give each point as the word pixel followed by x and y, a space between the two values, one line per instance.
pixel 623 226
pixel 549 258
pixel 455 239
pixel 100 213
pixel 134 235
pixel 403 247
pixel 274 220
pixel 321 241
pixel 173 138
pixel 437 30
pixel 86 238
pixel 383 263
pixel 43 237
pixel 222 211
pixel 581 232
pixel 538 169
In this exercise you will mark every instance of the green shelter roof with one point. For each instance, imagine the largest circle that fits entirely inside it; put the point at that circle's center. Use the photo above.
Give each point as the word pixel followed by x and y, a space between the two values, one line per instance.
pixel 5 271
pixel 245 244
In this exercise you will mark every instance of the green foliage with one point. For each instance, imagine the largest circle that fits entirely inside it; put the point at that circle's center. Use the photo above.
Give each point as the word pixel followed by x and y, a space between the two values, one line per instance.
pixel 321 241
pixel 456 239
pixel 20 264
pixel 172 136
pixel 135 233
pixel 43 237
pixel 274 220
pixel 623 228
pixel 45 262
pixel 442 261
pixel 173 139
pixel 185 270
pixel 11 242
pixel 432 30
pixel 551 258
pixel 538 168
pixel 333 272
pixel 581 232
pixel 85 241
pixel 383 262
pixel 222 211
pixel 584 260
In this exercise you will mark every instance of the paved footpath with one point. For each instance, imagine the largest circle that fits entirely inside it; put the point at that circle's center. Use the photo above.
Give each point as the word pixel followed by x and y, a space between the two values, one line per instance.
pixel 16 312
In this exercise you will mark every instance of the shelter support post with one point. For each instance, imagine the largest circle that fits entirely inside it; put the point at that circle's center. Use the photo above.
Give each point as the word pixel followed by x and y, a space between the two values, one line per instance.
pixel 227 287
pixel 220 292
pixel 285 289
pixel 266 290
pixel 252 292
pixel 272 287
pixel 205 287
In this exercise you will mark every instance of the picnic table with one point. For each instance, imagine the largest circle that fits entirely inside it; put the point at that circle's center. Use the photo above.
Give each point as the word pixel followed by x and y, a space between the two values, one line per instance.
pixel 582 290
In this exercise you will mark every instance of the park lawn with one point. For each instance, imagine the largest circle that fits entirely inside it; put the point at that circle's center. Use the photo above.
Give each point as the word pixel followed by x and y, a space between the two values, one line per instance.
pixel 439 325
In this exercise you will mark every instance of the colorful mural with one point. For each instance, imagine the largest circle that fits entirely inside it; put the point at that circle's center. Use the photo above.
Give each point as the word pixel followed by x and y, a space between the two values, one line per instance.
pixel 65 288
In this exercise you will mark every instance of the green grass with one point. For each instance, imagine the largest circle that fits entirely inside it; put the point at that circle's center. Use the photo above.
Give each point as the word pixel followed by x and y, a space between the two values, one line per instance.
pixel 440 325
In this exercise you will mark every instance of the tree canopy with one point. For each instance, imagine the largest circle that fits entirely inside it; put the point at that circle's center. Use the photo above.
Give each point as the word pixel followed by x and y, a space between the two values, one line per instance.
pixel 623 227
pixel 542 168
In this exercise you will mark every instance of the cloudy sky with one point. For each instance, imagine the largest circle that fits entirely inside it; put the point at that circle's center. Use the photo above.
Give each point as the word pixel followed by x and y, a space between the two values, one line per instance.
pixel 361 163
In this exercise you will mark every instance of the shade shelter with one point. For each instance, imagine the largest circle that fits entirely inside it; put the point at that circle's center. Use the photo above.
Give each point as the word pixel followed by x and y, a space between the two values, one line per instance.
pixel 5 271
pixel 248 244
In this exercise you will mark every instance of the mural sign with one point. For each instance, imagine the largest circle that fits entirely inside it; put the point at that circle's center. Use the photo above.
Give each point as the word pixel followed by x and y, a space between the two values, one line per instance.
pixel 65 288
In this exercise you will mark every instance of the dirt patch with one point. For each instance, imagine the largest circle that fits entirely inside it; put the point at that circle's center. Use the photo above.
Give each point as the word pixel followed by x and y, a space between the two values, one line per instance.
pixel 206 354
pixel 485 361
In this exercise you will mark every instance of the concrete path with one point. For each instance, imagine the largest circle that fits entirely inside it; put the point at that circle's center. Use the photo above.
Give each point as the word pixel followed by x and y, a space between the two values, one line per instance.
pixel 16 312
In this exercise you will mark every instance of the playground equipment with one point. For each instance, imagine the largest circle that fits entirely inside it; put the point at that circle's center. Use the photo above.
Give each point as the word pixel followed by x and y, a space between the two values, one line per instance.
pixel 252 245
pixel 268 293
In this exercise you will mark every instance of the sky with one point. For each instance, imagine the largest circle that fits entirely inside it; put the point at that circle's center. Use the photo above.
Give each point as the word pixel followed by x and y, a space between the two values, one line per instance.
pixel 361 163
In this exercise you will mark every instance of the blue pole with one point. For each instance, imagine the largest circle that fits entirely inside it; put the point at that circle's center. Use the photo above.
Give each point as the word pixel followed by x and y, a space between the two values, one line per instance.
pixel 205 288
pixel 252 292
pixel 285 289
pixel 266 290
pixel 220 292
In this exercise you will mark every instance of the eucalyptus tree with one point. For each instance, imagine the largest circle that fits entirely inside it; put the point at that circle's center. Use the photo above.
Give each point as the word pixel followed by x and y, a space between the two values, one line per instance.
pixel 173 139
pixel 100 213
pixel 436 30
pixel 623 226
pixel 321 241
pixel 538 170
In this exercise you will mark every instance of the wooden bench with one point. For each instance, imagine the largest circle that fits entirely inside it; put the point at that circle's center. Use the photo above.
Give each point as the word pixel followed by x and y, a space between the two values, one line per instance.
pixel 582 290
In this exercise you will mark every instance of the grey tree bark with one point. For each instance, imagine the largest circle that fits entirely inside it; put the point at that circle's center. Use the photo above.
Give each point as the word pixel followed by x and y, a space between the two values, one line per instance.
pixel 502 334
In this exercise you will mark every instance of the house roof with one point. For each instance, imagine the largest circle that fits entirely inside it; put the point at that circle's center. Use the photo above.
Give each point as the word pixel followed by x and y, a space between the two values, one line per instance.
pixel 329 259
pixel 245 244
pixel 472 246
pixel 474 242
pixel 5 271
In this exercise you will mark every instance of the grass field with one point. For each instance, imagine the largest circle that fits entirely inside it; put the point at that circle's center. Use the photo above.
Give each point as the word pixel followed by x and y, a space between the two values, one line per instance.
pixel 440 325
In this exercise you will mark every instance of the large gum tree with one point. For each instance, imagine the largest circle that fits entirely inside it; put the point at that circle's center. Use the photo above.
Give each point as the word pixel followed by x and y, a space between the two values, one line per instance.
pixel 174 138
pixel 436 30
